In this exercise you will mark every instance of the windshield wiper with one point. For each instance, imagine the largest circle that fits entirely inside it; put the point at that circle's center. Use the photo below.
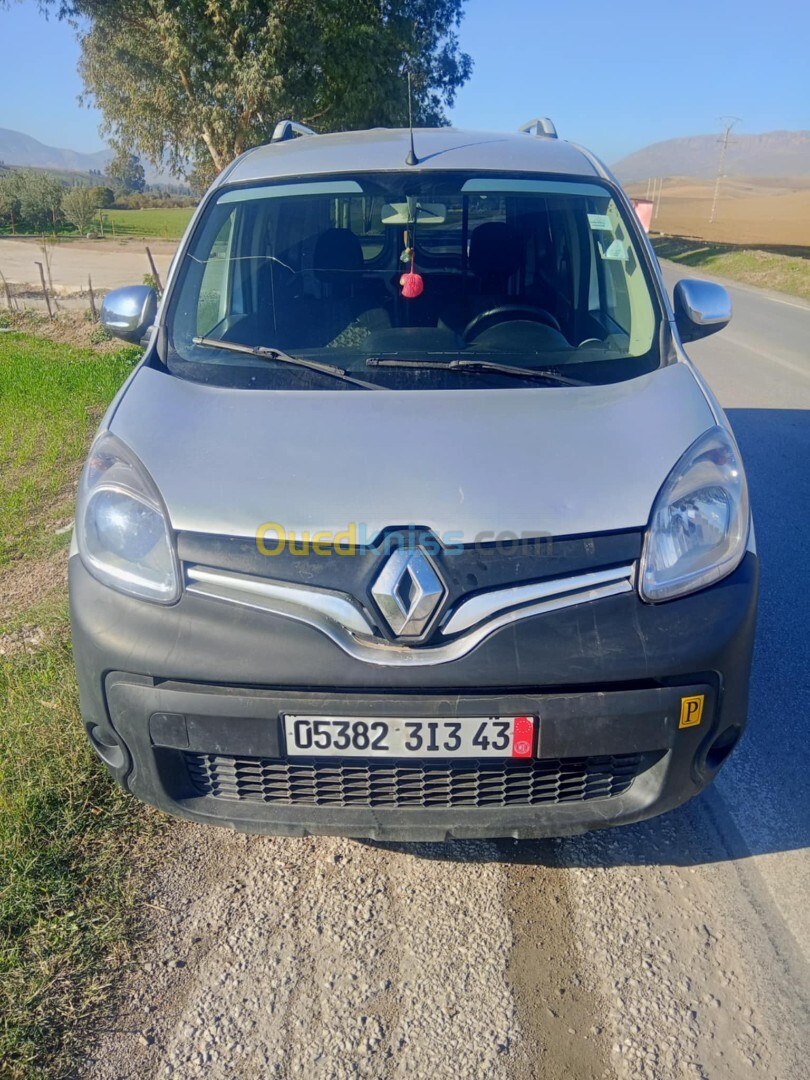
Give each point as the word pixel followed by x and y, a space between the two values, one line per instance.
pixel 477 367
pixel 263 352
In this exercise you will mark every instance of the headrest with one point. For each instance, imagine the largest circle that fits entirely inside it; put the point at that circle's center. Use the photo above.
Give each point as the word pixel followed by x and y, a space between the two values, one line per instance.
pixel 495 249
pixel 336 251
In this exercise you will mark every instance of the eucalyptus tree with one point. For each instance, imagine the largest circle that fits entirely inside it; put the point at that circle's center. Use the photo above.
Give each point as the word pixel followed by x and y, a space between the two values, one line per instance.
pixel 188 80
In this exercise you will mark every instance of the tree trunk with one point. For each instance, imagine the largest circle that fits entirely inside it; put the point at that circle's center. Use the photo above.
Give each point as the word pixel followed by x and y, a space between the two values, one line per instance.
pixel 216 157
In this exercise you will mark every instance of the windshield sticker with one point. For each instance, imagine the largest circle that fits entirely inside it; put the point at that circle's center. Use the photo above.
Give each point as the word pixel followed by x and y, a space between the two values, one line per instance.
pixel 617 250
pixel 600 223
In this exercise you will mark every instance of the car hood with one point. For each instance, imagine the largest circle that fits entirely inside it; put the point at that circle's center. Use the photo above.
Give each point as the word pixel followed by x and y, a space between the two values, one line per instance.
pixel 469 464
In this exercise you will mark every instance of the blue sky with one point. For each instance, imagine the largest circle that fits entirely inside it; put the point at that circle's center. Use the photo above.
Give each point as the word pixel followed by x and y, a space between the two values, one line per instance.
pixel 615 76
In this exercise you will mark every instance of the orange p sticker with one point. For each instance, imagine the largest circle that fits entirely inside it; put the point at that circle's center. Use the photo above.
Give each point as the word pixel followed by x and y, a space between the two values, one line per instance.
pixel 691 711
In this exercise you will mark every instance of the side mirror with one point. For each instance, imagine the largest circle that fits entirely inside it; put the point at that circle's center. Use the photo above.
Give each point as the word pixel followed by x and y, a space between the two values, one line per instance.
pixel 128 313
pixel 701 308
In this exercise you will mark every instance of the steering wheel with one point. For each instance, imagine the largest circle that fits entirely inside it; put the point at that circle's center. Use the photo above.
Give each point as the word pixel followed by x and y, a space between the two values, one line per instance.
pixel 507 312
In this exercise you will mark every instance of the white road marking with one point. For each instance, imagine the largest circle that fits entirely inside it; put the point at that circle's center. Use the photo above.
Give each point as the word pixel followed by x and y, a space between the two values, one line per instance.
pixel 767 296
pixel 765 355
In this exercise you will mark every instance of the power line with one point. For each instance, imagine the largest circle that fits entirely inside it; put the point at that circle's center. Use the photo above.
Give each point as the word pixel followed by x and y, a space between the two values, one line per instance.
pixel 729 122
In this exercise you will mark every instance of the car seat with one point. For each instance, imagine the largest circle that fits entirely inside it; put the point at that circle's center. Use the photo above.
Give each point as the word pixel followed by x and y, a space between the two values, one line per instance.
pixel 496 254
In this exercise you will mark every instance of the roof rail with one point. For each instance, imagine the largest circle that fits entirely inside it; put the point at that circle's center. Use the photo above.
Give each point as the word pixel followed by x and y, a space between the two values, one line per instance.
pixel 288 129
pixel 541 126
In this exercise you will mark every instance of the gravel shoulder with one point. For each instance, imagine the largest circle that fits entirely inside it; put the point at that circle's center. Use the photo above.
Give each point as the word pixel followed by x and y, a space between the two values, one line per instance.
pixel 318 957
pixel 593 957
pixel 330 958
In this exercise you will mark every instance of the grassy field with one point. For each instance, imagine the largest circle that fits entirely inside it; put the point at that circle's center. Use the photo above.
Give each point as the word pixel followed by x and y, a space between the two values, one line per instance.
pixel 765 269
pixel 168 224
pixel 151 223
pixel 67 903
pixel 51 399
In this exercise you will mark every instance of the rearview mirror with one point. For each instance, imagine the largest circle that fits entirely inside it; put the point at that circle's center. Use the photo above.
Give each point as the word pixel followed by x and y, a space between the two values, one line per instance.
pixel 400 213
pixel 701 308
pixel 128 313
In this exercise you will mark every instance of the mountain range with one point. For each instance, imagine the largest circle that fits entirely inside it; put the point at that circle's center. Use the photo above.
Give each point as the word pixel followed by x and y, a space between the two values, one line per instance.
pixel 16 148
pixel 773 154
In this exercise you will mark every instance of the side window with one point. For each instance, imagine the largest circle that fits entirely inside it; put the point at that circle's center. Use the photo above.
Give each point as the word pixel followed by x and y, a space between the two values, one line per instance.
pixel 486 208
pixel 627 298
pixel 609 255
pixel 212 305
pixel 364 217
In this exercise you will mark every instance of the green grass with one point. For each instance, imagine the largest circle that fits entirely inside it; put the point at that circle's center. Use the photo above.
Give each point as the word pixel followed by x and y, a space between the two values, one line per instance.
pixel 67 833
pixel 152 223
pixel 787 273
pixel 66 838
pixel 52 397
pixel 168 224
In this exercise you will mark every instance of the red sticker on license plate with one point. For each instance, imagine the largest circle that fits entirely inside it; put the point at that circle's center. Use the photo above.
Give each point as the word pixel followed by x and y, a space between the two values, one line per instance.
pixel 523 737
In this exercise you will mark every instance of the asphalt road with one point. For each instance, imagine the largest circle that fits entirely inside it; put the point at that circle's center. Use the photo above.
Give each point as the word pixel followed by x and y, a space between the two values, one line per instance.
pixel 673 949
pixel 759 368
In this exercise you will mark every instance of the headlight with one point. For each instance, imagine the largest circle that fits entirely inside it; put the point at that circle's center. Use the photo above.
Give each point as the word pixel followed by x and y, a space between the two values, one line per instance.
pixel 122 528
pixel 700 519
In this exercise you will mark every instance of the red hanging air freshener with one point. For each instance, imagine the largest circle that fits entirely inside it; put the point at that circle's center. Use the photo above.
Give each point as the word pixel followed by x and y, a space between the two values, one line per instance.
pixel 412 283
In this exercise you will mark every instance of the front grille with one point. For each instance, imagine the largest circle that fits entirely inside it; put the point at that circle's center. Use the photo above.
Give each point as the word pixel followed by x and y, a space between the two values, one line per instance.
pixel 472 567
pixel 398 783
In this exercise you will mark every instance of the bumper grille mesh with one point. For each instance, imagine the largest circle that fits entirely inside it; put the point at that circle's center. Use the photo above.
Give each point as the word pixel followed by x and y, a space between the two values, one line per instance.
pixel 397 783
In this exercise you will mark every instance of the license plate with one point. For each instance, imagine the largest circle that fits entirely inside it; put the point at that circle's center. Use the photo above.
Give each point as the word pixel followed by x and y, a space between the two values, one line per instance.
pixel 410 737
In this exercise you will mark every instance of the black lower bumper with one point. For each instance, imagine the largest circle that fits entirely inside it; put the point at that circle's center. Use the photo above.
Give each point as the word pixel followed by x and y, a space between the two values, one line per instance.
pixel 173 698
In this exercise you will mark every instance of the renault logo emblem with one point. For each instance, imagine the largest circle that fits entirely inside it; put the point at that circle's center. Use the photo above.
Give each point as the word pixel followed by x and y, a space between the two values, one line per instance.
pixel 408 592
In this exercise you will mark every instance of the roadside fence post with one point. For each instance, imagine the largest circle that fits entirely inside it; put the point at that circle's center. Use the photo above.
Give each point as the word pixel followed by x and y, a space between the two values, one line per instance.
pixel 155 273
pixel 45 290
pixel 7 292
pixel 93 311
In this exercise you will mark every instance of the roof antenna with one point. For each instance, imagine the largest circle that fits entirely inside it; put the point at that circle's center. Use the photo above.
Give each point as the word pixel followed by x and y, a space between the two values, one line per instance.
pixel 411 159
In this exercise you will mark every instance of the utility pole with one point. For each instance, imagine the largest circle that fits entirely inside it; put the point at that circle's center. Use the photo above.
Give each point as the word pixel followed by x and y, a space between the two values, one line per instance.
pixel 729 122
pixel 657 187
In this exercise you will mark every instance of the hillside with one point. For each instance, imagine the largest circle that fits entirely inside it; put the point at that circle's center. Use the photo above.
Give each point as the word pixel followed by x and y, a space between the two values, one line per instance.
pixel 16 148
pixel 774 153
pixel 19 149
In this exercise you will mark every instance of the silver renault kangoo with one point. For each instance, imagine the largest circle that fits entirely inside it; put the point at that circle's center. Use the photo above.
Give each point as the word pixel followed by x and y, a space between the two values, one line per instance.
pixel 415 521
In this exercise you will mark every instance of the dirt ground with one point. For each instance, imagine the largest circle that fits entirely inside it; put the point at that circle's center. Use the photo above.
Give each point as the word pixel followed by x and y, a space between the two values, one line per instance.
pixel 766 212
pixel 111 264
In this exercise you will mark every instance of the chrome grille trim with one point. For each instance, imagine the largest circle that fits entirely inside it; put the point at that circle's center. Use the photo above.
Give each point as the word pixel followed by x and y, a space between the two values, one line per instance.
pixel 331 605
pixel 485 605
pixel 343 620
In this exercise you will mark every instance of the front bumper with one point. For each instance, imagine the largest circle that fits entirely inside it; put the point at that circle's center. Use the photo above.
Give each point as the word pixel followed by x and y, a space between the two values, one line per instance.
pixel 166 692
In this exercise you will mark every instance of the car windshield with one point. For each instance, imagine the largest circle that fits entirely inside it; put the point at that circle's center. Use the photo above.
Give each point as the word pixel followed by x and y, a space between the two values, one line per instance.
pixel 420 270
